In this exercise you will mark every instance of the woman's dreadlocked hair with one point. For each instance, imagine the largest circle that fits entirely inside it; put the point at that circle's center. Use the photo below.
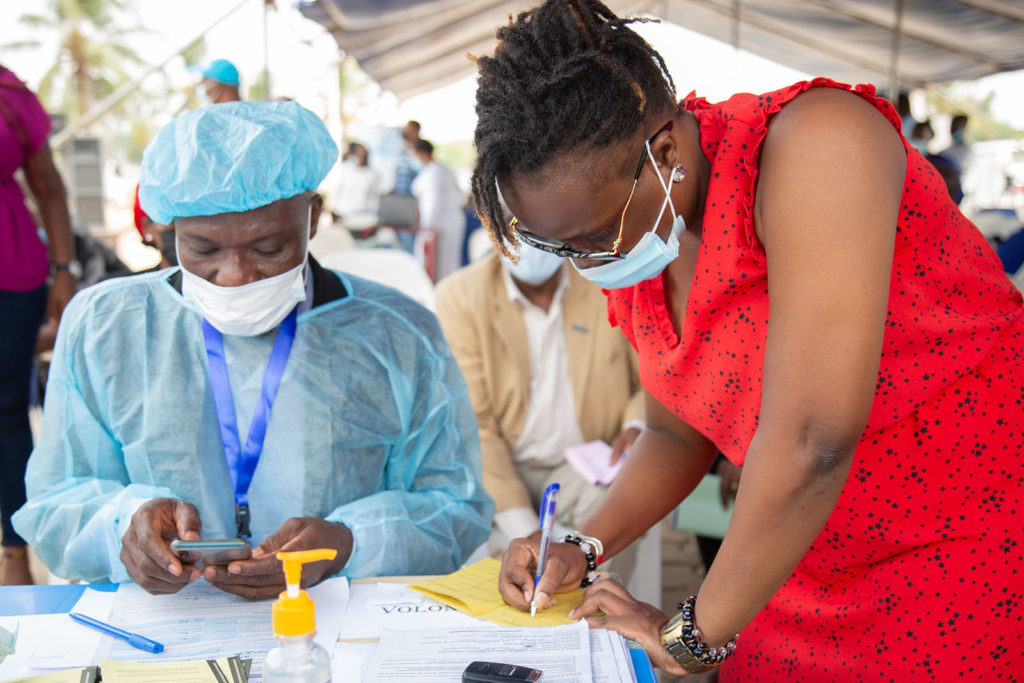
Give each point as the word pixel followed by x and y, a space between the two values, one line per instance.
pixel 568 74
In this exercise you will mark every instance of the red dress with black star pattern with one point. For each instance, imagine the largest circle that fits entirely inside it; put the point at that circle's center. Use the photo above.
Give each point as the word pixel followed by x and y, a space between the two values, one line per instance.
pixel 918 574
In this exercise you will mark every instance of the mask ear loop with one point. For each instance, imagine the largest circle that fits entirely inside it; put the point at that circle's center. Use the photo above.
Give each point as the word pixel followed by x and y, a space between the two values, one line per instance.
pixel 309 237
pixel 664 186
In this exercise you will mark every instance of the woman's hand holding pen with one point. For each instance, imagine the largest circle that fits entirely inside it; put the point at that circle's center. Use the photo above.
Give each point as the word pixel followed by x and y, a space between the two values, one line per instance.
pixel 566 567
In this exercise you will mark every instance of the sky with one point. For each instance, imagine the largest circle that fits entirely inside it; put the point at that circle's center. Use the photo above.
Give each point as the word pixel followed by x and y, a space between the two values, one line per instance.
pixel 304 61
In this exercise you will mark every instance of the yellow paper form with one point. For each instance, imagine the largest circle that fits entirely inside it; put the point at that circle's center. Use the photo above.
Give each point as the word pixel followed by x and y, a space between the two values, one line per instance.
pixel 64 676
pixel 200 671
pixel 474 590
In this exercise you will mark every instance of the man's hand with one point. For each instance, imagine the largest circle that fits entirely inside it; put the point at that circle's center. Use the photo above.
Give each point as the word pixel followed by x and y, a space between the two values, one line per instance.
pixel 622 443
pixel 608 605
pixel 146 546
pixel 263 575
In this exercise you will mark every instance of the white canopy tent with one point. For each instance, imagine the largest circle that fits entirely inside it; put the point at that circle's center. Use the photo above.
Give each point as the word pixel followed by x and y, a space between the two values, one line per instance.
pixel 413 46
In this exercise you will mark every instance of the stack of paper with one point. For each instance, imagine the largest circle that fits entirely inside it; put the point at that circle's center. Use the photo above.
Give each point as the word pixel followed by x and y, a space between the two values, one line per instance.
pixel 89 674
pixel 565 654
pixel 375 608
pixel 202 622
pixel 440 656
pixel 54 641
pixel 222 670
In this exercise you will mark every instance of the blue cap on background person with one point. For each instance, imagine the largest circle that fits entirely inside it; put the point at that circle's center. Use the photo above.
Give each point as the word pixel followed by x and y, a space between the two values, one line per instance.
pixel 233 157
pixel 220 70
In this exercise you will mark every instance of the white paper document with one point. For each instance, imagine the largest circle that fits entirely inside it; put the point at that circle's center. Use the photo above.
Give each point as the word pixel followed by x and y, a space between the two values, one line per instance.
pixel 54 641
pixel 202 622
pixel 374 608
pixel 609 659
pixel 440 656
pixel 593 461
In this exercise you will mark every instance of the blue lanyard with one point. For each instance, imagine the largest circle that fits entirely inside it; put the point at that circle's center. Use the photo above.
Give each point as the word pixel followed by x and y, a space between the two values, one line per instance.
pixel 242 463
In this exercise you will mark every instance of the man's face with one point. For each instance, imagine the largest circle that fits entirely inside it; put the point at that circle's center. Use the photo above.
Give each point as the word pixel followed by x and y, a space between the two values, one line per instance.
pixel 234 249
pixel 219 92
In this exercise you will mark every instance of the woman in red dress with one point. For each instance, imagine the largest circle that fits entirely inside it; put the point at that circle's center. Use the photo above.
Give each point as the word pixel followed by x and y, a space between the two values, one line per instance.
pixel 877 411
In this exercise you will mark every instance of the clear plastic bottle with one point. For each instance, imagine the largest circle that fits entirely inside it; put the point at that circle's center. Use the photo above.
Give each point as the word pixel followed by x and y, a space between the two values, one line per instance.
pixel 296 658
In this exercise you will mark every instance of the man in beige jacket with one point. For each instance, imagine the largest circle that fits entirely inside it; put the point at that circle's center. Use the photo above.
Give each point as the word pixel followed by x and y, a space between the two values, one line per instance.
pixel 545 372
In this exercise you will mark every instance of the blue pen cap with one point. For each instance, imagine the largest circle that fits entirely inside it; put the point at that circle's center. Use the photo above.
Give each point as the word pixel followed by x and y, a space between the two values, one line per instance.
pixel 547 502
pixel 144 643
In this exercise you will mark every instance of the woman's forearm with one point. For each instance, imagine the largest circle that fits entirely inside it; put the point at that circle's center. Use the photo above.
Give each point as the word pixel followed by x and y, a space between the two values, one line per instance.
pixel 659 472
pixel 51 198
pixel 786 495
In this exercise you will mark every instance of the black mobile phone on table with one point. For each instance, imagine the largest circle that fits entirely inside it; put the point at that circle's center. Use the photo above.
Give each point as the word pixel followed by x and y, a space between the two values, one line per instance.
pixel 495 672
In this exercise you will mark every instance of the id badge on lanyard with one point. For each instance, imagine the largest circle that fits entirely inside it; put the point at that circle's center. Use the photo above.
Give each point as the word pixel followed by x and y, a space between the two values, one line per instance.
pixel 242 461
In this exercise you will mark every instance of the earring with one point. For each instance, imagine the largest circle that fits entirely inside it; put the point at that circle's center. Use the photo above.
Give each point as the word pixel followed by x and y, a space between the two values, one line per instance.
pixel 678 173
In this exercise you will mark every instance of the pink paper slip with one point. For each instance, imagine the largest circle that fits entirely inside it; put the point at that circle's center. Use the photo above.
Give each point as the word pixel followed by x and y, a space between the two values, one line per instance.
pixel 591 461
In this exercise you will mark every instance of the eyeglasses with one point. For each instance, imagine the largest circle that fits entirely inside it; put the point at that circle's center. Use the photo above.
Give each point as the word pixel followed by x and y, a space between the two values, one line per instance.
pixel 562 248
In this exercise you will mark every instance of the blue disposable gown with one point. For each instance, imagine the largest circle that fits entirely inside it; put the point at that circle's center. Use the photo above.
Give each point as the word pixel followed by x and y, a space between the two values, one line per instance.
pixel 372 427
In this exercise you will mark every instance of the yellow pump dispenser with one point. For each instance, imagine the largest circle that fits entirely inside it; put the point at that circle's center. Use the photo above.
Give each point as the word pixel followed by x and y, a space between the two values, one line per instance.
pixel 293 612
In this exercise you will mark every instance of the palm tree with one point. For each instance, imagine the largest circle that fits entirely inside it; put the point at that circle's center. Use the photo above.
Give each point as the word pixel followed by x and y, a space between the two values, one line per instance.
pixel 91 55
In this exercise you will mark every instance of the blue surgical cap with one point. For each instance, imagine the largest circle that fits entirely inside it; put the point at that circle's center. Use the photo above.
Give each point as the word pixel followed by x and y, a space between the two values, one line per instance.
pixel 230 157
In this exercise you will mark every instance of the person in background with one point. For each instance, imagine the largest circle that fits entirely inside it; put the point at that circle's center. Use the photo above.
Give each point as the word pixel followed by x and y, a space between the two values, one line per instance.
pixel 958 153
pixel 921 136
pixel 358 190
pixel 220 83
pixel 907 120
pixel 440 208
pixel 876 411
pixel 545 372
pixel 360 431
pixel 408 166
pixel 159 237
pixel 24 300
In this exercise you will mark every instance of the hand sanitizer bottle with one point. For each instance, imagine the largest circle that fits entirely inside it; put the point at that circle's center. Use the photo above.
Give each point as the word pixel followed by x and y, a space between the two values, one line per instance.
pixel 296 658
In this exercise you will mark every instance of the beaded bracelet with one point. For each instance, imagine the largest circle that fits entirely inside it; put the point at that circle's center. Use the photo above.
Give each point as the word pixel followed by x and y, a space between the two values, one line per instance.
pixel 685 642
pixel 589 552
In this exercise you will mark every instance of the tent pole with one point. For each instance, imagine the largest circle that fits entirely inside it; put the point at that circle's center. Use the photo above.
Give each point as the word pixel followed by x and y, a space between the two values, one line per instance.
pixel 266 50
pixel 734 24
pixel 894 56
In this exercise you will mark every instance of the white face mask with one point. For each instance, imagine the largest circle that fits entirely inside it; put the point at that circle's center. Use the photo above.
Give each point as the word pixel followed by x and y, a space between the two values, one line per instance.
pixel 251 309
pixel 535 267
pixel 203 98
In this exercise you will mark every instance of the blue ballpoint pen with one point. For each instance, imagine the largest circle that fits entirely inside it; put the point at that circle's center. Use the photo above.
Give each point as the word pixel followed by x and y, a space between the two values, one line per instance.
pixel 547 520
pixel 134 639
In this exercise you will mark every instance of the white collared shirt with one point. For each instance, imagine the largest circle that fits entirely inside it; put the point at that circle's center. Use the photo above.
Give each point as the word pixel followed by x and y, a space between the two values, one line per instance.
pixel 550 425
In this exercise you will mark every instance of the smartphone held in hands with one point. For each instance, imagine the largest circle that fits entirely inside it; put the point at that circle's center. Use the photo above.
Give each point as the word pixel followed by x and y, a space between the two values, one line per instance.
pixel 212 551
pixel 493 672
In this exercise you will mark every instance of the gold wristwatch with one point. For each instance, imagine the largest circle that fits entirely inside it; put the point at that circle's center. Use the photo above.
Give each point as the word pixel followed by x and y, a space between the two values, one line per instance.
pixel 672 639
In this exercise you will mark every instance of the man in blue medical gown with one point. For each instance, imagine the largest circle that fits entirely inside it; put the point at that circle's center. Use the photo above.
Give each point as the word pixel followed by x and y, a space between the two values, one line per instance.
pixel 250 393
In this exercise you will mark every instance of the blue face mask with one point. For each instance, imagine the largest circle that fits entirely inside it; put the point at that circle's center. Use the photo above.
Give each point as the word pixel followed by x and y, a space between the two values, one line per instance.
pixel 958 137
pixel 535 267
pixel 648 258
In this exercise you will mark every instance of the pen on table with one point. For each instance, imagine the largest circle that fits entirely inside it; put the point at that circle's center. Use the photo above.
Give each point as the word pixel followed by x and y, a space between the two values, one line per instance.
pixel 547 519
pixel 134 639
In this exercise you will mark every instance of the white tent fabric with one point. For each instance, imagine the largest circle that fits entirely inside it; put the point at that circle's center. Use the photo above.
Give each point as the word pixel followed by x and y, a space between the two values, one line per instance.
pixel 412 46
